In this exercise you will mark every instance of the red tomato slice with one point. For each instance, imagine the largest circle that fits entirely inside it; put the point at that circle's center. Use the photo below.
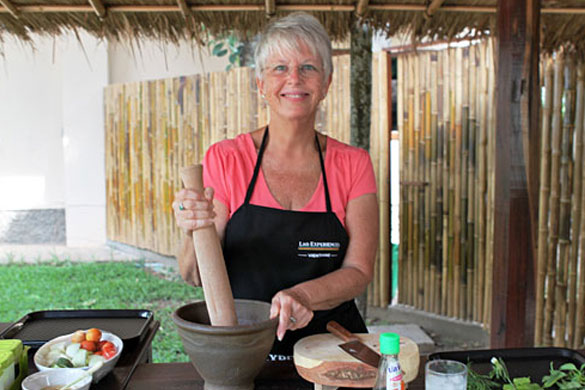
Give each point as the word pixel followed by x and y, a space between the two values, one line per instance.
pixel 107 345
pixel 109 353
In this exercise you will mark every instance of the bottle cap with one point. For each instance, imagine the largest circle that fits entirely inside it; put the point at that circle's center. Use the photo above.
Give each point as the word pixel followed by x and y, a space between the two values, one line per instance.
pixel 389 343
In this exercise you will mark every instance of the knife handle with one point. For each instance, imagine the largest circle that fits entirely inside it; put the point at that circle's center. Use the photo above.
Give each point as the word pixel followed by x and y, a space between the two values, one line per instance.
pixel 340 331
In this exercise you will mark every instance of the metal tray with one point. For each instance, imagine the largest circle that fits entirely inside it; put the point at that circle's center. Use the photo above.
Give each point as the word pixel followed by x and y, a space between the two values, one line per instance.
pixel 531 362
pixel 36 328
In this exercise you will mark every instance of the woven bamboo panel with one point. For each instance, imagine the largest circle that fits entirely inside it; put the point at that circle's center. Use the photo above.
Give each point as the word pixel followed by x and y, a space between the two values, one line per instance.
pixel 560 287
pixel 444 107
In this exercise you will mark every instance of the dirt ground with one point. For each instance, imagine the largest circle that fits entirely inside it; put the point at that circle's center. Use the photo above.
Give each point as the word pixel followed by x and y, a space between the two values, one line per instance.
pixel 443 341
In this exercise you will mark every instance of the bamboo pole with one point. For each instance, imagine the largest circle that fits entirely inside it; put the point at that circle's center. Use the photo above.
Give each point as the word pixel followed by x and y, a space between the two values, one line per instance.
pixel 565 206
pixel 433 141
pixel 400 97
pixel 10 8
pixel 445 279
pixel 576 207
pixel 471 184
pixel 556 137
pixel 463 173
pixel 457 188
pixel 490 185
pixel 482 183
pixel 580 315
pixel 440 131
pixel 232 108
pixel 543 200
pixel 418 221
pixel 411 191
pixel 384 142
pixel 426 180
pixel 372 288
pixel 375 156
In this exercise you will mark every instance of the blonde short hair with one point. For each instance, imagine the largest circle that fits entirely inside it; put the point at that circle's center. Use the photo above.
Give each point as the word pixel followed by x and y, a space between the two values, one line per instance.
pixel 287 34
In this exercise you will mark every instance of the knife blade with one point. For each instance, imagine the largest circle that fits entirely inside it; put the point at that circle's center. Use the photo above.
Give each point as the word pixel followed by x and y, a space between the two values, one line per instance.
pixel 353 345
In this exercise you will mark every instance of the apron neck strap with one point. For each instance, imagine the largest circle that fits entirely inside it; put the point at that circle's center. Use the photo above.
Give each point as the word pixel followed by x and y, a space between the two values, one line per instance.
pixel 259 163
pixel 327 198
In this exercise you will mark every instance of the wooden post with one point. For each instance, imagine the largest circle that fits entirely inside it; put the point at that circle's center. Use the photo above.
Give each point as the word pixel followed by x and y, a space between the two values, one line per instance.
pixel 361 93
pixel 512 322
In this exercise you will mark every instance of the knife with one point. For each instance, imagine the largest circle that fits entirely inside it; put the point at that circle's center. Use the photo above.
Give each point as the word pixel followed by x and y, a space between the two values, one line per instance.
pixel 353 345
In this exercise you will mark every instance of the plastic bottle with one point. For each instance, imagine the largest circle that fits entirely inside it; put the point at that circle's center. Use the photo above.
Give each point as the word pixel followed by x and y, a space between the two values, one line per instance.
pixel 389 371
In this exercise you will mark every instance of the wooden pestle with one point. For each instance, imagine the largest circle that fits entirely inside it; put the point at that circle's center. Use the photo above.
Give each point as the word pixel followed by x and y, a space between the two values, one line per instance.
pixel 214 278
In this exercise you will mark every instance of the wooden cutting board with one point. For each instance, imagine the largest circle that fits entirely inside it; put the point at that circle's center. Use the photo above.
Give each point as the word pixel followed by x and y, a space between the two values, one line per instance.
pixel 319 359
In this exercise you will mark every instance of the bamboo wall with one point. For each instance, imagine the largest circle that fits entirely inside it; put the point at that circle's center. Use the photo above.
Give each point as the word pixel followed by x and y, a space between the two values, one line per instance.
pixel 446 126
pixel 155 127
pixel 560 300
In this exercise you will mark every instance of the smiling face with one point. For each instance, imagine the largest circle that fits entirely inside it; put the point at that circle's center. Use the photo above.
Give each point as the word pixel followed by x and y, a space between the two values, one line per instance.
pixel 293 84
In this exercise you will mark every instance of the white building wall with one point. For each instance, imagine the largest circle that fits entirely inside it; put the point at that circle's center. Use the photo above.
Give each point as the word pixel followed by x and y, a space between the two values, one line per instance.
pixel 52 152
pixel 31 123
pixel 154 60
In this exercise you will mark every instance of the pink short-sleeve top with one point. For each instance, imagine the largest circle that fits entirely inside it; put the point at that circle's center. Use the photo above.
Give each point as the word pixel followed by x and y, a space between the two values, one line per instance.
pixel 228 167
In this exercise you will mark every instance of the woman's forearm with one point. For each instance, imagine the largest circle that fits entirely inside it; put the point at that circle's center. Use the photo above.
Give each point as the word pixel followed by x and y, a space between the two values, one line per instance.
pixel 188 261
pixel 333 289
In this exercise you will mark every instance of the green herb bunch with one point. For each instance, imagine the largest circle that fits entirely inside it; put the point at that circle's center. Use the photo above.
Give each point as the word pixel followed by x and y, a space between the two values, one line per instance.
pixel 566 377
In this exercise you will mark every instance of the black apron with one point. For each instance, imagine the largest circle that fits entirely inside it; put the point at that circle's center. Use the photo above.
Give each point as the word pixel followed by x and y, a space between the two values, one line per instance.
pixel 267 250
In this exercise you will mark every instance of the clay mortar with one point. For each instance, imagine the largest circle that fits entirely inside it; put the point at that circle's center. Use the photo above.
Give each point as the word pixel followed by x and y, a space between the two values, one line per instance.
pixel 227 357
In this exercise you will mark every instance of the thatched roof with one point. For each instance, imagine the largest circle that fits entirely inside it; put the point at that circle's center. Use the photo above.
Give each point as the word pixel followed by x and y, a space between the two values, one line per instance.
pixel 172 20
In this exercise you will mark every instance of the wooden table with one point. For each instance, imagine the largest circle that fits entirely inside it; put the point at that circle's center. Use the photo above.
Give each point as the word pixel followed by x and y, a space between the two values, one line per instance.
pixel 275 375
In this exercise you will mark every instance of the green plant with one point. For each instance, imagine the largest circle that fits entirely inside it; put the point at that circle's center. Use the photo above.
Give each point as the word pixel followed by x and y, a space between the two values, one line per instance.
pixel 568 376
pixel 227 44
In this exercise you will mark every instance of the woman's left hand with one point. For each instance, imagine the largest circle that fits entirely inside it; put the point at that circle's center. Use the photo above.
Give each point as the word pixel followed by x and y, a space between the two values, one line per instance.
pixel 292 309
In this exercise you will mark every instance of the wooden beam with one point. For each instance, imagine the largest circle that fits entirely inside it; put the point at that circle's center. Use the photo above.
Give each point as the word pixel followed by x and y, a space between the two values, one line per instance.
pixel 361 8
pixel 10 8
pixel 185 10
pixel 513 272
pixel 434 6
pixel 270 8
pixel 423 8
pixel 52 8
pixel 98 7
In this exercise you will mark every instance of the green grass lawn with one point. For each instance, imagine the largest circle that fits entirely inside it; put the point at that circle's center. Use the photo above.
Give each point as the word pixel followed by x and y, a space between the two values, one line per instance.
pixel 65 285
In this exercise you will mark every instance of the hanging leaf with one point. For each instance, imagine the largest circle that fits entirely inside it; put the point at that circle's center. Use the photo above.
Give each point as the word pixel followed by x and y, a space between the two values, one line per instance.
pixel 217 49
pixel 222 53
pixel 234 59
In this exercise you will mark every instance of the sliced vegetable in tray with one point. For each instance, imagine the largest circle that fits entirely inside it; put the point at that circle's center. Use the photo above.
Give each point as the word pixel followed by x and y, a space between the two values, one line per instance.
pixel 86 348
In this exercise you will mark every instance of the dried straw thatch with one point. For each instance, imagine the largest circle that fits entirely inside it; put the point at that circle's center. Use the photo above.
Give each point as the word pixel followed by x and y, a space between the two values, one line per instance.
pixel 171 20
pixel 563 21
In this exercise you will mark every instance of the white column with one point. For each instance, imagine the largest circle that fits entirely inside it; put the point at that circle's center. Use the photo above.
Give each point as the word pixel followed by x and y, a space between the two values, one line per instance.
pixel 85 74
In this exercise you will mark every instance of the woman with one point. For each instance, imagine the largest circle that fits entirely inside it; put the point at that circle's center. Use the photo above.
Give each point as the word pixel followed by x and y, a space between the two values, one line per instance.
pixel 296 210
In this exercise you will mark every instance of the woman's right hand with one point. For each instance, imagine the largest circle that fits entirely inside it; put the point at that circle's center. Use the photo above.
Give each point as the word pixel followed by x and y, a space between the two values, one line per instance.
pixel 196 211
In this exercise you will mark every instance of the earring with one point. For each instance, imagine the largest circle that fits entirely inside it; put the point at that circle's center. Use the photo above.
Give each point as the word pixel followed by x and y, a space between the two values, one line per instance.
pixel 263 96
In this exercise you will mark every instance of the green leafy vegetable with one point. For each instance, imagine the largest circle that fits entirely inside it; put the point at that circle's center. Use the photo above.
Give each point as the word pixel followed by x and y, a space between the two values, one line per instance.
pixel 477 381
pixel 566 377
